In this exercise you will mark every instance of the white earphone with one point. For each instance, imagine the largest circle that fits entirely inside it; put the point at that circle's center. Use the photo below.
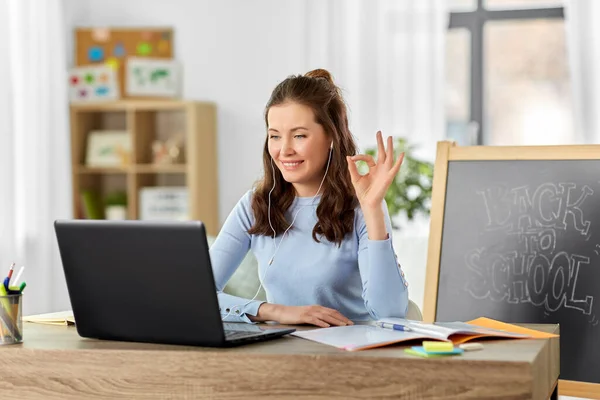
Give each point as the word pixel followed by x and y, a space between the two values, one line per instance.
pixel 285 232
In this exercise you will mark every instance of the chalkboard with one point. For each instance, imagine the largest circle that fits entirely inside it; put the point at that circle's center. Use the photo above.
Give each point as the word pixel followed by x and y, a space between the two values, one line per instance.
pixel 519 241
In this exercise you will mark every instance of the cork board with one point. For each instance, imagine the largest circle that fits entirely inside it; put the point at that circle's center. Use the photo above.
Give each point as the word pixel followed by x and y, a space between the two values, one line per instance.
pixel 112 46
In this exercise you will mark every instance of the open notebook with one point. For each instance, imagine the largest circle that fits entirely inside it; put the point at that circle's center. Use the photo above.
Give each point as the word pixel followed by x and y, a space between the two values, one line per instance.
pixel 55 318
pixel 360 337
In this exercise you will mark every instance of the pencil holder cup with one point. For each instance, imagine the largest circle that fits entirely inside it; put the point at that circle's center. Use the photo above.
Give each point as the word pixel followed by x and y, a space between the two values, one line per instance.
pixel 11 324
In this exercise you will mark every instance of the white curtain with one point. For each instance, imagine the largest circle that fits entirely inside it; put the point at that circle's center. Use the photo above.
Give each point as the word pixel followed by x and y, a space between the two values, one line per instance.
pixel 583 46
pixel 35 183
pixel 388 56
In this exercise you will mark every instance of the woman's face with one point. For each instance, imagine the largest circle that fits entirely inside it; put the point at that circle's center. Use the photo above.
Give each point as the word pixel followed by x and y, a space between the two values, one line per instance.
pixel 298 146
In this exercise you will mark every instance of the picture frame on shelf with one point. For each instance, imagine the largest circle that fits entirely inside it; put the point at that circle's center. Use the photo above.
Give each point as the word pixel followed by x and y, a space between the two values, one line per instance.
pixel 148 77
pixel 108 148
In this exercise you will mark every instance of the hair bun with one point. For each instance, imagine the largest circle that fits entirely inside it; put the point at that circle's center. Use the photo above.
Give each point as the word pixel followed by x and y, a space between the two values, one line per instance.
pixel 320 73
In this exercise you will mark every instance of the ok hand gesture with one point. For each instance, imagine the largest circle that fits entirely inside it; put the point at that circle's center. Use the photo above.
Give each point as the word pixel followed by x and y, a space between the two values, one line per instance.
pixel 371 187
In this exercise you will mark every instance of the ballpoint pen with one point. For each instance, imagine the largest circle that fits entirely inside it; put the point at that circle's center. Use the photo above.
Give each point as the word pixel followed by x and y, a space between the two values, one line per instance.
pixel 18 275
pixel 10 271
pixel 395 327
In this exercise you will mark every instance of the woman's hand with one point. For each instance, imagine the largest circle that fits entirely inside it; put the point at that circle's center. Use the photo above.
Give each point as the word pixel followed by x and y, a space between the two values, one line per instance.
pixel 371 188
pixel 314 315
pixel 296 315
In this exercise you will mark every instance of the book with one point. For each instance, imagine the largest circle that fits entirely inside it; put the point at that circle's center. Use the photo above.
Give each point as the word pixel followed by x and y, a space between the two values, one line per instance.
pixel 55 318
pixel 362 337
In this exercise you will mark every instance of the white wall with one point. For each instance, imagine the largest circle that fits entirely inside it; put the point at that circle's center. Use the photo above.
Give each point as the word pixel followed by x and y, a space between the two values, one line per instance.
pixel 233 53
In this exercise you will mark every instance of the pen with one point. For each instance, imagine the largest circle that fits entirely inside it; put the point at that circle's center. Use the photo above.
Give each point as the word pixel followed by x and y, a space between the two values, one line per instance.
pixel 395 327
pixel 19 274
pixel 10 271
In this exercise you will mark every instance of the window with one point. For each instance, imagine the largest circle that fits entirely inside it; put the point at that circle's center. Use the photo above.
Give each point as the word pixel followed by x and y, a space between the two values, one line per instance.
pixel 507 78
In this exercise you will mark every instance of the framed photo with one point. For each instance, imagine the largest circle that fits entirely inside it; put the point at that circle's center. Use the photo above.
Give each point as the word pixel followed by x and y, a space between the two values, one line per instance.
pixel 93 83
pixel 108 149
pixel 153 77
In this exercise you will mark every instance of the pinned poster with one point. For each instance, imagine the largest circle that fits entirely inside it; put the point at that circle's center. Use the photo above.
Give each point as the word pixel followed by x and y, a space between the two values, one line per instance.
pixel 153 77
pixel 93 83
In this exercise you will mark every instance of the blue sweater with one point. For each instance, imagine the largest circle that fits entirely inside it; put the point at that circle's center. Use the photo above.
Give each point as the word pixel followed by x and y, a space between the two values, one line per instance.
pixel 361 279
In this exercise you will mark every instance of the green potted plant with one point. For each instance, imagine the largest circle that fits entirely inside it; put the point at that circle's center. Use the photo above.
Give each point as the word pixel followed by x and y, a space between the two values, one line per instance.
pixel 410 193
pixel 115 205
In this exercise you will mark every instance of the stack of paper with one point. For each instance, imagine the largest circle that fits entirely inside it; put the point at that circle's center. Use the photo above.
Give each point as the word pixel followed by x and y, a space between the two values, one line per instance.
pixel 56 318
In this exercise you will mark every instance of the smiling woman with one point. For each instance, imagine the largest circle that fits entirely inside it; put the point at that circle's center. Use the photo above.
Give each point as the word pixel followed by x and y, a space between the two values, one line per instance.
pixel 336 264
pixel 299 146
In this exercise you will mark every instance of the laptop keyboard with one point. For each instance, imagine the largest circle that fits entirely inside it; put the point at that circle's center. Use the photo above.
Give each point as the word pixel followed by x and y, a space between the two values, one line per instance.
pixel 230 335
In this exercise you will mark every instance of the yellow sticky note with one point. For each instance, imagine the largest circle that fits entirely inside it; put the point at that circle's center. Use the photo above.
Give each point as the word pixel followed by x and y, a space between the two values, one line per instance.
pixel 437 346
pixel 163 46
pixel 113 63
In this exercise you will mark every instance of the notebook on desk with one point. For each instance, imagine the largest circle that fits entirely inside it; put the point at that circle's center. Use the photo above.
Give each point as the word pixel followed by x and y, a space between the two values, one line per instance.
pixel 362 337
pixel 54 318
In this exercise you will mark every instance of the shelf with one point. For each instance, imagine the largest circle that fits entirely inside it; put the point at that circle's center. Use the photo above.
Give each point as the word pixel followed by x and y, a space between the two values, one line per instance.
pixel 160 168
pixel 139 168
pixel 123 105
pixel 100 170
pixel 147 121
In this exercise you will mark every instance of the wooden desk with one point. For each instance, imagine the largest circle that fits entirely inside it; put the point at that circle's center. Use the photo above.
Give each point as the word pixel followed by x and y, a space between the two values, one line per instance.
pixel 55 363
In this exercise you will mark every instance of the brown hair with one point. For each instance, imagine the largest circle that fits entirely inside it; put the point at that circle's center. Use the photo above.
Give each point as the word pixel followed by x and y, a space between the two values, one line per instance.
pixel 335 211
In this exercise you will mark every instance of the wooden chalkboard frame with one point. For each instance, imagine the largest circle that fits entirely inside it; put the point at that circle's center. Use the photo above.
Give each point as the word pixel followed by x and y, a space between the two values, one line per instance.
pixel 448 151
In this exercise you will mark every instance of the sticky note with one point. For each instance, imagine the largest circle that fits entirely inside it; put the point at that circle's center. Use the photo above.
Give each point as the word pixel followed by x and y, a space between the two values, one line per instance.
pixel 147 35
pixel 144 49
pixel 424 354
pixel 95 54
pixel 101 34
pixel 113 63
pixel 119 50
pixel 439 352
pixel 163 46
pixel 437 346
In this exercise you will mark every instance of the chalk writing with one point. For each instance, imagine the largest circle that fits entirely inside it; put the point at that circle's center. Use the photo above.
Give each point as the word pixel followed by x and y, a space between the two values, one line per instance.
pixel 534 268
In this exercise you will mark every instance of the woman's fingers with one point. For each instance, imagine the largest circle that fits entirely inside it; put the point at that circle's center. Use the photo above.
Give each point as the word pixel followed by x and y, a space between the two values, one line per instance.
pixel 318 322
pixel 324 317
pixel 381 156
pixel 354 174
pixel 331 319
pixel 397 165
pixel 338 315
pixel 390 150
pixel 366 158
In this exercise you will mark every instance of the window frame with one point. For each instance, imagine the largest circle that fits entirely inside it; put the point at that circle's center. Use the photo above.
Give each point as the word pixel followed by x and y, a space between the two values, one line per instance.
pixel 474 21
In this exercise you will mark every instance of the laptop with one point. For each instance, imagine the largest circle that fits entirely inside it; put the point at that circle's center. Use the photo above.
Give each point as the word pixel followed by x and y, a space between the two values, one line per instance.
pixel 146 281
